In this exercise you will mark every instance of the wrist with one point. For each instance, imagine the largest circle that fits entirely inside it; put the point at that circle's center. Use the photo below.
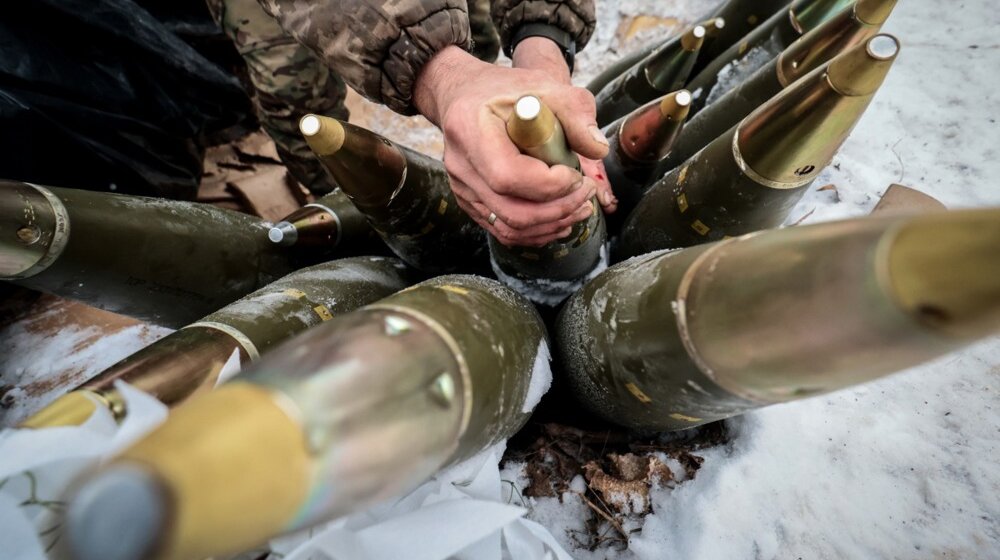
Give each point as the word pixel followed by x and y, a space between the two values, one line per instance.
pixel 541 53
pixel 437 80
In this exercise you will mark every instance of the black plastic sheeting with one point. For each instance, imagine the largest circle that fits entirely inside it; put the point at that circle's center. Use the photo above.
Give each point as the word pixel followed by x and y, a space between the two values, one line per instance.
pixel 101 95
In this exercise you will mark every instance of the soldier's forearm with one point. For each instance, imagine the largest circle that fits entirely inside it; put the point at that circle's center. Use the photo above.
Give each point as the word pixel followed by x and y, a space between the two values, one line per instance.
pixel 379 48
pixel 540 53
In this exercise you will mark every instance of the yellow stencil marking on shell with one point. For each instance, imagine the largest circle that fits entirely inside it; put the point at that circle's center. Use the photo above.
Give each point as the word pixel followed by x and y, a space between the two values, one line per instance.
pixel 752 20
pixel 637 393
pixel 427 228
pixel 701 228
pixel 585 235
pixel 292 292
pixel 682 202
pixel 683 418
pixel 560 253
pixel 683 175
pixel 743 47
pixel 443 206
pixel 323 312
pixel 454 289
pixel 531 256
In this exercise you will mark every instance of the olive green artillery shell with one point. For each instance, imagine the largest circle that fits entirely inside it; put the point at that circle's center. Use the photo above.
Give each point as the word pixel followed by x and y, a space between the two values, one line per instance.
pixel 633 89
pixel 651 383
pixel 563 261
pixel 162 261
pixel 742 17
pixel 814 49
pixel 190 360
pixel 419 219
pixel 622 65
pixel 750 177
pixel 630 176
pixel 769 40
pixel 549 274
pixel 429 376
pixel 722 115
pixel 628 180
pixel 706 199
pixel 675 339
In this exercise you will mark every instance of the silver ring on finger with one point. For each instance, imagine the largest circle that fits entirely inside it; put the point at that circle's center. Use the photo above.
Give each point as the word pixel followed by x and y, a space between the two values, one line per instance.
pixel 492 219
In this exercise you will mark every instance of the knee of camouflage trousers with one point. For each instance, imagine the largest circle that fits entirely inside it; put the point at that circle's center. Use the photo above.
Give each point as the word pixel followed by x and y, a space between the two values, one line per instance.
pixel 289 82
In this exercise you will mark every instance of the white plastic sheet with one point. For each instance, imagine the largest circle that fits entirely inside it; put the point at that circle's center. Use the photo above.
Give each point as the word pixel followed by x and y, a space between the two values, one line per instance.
pixel 459 514
pixel 38 466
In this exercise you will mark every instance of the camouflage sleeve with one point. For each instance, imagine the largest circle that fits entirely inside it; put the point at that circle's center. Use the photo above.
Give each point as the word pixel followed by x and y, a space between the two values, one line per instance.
pixel 575 17
pixel 378 47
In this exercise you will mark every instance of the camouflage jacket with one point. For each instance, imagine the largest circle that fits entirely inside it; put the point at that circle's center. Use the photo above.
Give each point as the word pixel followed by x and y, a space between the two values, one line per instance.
pixel 379 47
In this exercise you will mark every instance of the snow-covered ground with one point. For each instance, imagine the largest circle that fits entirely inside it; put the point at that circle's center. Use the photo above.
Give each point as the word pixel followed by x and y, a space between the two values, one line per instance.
pixel 905 467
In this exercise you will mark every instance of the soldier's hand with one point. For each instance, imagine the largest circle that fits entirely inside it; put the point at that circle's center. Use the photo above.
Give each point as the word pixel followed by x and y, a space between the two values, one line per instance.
pixel 539 53
pixel 470 101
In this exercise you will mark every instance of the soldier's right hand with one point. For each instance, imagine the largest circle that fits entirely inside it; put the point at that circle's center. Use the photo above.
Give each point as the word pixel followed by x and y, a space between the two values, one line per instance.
pixel 517 198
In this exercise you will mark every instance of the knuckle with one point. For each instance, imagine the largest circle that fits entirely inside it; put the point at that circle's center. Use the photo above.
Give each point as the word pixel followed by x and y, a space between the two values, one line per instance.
pixel 583 99
pixel 503 181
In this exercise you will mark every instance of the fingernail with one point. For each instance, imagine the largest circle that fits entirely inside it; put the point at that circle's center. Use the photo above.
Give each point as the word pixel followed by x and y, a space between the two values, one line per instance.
pixel 566 232
pixel 598 135
pixel 606 197
pixel 578 184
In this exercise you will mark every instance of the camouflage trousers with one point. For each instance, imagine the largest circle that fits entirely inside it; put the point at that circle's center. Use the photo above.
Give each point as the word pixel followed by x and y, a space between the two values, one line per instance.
pixel 290 81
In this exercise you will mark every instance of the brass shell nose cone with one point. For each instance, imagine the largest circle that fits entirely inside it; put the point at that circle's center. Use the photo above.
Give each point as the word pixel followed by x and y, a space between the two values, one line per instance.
pixel 531 124
pixel 71 409
pixel 713 26
pixel 874 12
pixel 862 69
pixel 693 39
pixel 944 270
pixel 324 135
pixel 676 105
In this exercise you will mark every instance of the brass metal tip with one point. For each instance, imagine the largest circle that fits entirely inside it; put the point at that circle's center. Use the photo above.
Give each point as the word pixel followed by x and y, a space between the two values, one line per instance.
pixel 309 125
pixel 119 497
pixel 531 124
pixel 324 135
pixel 693 39
pixel 862 69
pixel 883 47
pixel 676 105
pixel 713 26
pixel 71 409
pixel 283 234
pixel 943 268
pixel 874 12
pixel 528 108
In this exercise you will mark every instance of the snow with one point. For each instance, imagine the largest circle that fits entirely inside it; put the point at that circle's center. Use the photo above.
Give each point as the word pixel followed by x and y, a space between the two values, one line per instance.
pixel 541 377
pixel 736 72
pixel 83 352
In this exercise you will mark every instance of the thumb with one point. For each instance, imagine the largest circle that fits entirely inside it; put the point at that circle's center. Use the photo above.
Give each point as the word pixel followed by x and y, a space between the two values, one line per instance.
pixel 576 111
